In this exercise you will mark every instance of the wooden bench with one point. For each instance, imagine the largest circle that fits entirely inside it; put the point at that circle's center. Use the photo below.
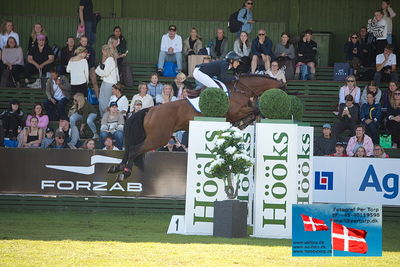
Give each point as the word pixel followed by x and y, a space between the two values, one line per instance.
pixel 26 96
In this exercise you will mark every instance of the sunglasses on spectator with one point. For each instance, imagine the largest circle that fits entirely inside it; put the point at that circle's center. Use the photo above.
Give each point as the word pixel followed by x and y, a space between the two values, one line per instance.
pixel 60 137
pixel 396 93
pixel 249 3
pixel 350 81
pixel 261 34
pixel 354 37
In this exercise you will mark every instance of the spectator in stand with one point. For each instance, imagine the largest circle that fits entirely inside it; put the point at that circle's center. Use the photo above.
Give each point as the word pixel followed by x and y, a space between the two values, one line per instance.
pixel 143 96
pixel 137 105
pixel 118 97
pixel 12 120
pixel 339 150
pixel 179 84
pixel 37 30
pixel 32 135
pixel 88 20
pixel 108 144
pixel 58 91
pixel 91 58
pixel 348 117
pixel 325 145
pixel 71 133
pixel 219 46
pixel 394 118
pixel 171 49
pixel 59 141
pixel 379 152
pixel 243 49
pixel 284 53
pixel 155 87
pixel 371 88
pixel 48 138
pixel 360 153
pixel 67 52
pixel 379 29
pixel 166 96
pixel 184 94
pixel 108 71
pixel 173 146
pixel 121 45
pixel 261 50
pixel 388 94
pixel 353 52
pixel 7 30
pixel 89 144
pixel 388 15
pixel 192 44
pixel 367 58
pixel 371 115
pixel 275 72
pixel 360 140
pixel 40 59
pixel 12 57
pixel 79 70
pixel 84 111
pixel 112 124
pixel 386 66
pixel 306 54
pixel 350 88
pixel 37 111
pixel 245 16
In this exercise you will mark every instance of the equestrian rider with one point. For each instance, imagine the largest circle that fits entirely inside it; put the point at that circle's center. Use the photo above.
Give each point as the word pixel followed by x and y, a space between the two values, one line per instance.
pixel 215 73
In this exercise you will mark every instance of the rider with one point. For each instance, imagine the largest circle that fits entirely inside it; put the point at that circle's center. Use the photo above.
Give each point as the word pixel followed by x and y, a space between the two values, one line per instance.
pixel 214 74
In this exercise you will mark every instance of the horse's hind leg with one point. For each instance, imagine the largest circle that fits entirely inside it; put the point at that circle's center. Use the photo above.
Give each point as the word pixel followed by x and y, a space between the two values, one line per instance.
pixel 120 167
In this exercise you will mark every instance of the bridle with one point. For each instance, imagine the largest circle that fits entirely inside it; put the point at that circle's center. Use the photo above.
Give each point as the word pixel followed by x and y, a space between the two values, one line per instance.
pixel 244 92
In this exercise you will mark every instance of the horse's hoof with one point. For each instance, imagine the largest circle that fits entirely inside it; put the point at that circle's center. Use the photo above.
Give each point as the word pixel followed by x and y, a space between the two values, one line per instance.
pixel 114 169
pixel 120 178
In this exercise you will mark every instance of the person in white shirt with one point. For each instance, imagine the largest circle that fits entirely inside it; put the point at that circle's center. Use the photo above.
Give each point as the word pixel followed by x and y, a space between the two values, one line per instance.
pixel 276 73
pixel 79 69
pixel 147 100
pixel 166 96
pixel 386 66
pixel 171 49
pixel 7 31
pixel 108 144
pixel 119 98
pixel 108 71
pixel 379 28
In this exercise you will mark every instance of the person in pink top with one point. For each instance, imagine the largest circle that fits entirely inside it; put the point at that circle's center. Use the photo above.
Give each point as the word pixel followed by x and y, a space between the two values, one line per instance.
pixel 350 88
pixel 360 140
pixel 38 113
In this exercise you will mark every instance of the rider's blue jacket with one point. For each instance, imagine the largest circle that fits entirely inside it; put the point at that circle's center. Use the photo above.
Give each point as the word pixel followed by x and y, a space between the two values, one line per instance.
pixel 217 69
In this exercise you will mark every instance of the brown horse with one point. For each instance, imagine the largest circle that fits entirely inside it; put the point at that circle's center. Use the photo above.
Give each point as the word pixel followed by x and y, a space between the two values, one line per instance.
pixel 151 128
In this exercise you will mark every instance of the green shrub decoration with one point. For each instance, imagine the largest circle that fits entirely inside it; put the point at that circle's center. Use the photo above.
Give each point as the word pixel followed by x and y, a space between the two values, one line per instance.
pixel 214 102
pixel 296 108
pixel 275 104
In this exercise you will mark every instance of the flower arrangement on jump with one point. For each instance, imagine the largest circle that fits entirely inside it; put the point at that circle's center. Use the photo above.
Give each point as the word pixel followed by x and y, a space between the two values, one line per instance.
pixel 231 159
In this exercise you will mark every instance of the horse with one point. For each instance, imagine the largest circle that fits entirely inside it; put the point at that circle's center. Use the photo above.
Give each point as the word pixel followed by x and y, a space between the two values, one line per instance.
pixel 151 128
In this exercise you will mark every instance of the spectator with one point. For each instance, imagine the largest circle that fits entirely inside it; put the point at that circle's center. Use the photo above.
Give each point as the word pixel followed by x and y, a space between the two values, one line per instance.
pixel 48 138
pixel 339 150
pixel 350 88
pixel 379 29
pixel 360 153
pixel 37 111
pixel 243 49
pixel 121 100
pixel 143 96
pixel 388 15
pixel 388 94
pixel 108 144
pixel 7 30
pixel 394 118
pixel 155 88
pixel 367 58
pixel 88 20
pixel 112 124
pixel 91 58
pixel 219 46
pixel 184 94
pixel 371 114
pixel 121 45
pixel 379 152
pixel 12 120
pixel 79 69
pixel 137 105
pixel 59 141
pixel 71 134
pixel 284 53
pixel 108 71
pixel 173 146
pixel 325 145
pixel 306 54
pixel 353 53
pixel 359 140
pixel 348 117
pixel 89 144
pixel 32 135
pixel 179 84
pixel 67 52
pixel 37 30
pixel 386 66
pixel 261 50
pixel 171 49
pixel 245 16
pixel 58 91
pixel 371 88
pixel 166 96
pixel 83 110
pixel 192 44
pixel 12 56
pixel 40 59
pixel 275 72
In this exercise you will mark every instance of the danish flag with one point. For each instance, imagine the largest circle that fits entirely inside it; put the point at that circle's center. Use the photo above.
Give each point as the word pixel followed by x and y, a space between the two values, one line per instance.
pixel 312 224
pixel 348 239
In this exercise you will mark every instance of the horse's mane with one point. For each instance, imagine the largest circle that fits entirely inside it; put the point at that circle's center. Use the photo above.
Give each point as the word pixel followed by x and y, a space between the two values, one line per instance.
pixel 257 75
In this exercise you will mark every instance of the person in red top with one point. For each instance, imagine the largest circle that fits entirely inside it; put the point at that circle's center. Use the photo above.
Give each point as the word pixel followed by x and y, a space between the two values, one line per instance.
pixel 340 151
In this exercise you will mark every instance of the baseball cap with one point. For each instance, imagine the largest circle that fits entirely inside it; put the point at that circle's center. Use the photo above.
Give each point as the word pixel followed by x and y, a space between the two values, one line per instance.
pixel 137 102
pixel 340 144
pixel 59 134
pixel 14 102
pixel 327 126
pixel 113 103
pixel 48 130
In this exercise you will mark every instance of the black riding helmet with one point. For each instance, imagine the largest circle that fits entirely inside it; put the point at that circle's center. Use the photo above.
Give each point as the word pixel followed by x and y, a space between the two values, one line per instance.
pixel 232 56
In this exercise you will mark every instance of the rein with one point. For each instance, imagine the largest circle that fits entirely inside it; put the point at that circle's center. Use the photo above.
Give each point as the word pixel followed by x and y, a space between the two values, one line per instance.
pixel 244 92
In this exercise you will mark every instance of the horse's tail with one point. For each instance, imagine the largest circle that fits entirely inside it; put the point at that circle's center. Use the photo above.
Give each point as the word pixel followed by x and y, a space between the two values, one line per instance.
pixel 134 133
